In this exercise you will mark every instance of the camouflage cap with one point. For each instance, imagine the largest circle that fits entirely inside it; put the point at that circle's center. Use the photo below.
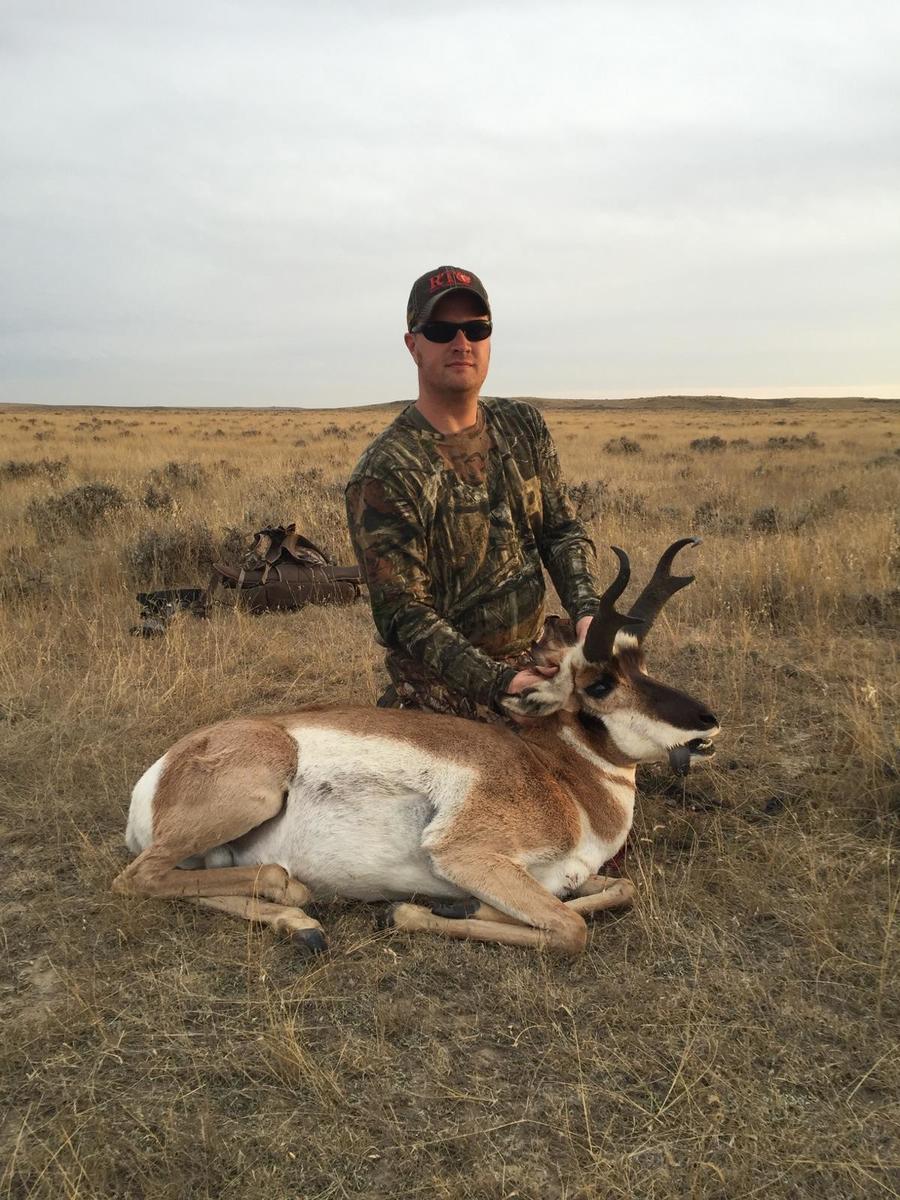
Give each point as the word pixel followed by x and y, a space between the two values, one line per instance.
pixel 435 285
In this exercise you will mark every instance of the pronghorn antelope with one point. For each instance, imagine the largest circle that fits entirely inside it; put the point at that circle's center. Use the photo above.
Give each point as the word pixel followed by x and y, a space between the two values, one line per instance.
pixel 255 816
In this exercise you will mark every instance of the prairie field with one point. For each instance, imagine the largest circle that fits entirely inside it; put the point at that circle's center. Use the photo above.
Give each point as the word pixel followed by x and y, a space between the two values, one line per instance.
pixel 733 1035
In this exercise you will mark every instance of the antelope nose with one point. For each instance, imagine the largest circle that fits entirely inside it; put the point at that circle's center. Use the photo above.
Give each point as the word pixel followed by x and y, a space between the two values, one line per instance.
pixel 706 720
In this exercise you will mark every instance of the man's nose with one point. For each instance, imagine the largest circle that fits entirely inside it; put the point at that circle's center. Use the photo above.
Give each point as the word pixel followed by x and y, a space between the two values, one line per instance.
pixel 460 342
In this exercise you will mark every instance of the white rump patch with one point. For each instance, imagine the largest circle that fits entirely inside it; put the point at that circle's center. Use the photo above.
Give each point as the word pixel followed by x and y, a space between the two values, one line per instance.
pixel 139 830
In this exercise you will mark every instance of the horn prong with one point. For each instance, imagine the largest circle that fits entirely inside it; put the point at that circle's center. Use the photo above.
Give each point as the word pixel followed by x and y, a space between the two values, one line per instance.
pixel 662 586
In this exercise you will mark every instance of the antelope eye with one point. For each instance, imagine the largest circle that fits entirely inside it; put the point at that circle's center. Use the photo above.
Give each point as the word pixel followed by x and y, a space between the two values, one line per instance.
pixel 601 687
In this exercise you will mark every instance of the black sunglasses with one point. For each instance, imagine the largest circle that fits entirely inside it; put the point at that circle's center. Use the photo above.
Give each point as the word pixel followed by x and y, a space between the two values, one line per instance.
pixel 446 331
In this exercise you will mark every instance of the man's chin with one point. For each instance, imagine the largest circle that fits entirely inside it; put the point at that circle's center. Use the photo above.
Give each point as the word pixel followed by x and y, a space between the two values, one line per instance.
pixel 461 381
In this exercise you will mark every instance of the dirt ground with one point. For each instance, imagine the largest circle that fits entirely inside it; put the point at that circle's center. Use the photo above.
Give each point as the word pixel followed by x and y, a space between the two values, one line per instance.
pixel 734 1035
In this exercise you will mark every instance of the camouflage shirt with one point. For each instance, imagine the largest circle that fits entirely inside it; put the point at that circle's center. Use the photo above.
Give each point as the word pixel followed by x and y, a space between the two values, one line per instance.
pixel 450 531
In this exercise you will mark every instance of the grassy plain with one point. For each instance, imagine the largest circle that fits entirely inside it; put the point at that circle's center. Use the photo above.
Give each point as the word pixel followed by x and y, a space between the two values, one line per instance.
pixel 732 1036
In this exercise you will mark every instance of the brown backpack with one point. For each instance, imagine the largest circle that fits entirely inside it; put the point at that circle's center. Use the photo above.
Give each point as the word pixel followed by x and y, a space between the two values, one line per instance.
pixel 283 570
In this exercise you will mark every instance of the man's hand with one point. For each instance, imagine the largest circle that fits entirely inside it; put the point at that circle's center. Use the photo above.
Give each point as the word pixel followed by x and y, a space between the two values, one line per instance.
pixel 528 678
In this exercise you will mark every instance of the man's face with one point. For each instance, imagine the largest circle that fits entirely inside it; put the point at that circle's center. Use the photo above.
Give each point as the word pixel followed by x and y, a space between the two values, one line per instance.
pixel 453 367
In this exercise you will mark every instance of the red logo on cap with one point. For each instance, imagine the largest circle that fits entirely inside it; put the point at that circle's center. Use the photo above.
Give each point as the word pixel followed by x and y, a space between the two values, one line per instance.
pixel 445 279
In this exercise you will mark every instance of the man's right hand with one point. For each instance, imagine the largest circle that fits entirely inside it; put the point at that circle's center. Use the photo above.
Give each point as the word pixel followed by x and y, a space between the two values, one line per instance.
pixel 528 678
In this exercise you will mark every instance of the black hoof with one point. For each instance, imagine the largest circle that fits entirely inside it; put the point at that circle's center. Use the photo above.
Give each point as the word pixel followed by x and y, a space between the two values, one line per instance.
pixel 309 941
pixel 384 917
pixel 455 910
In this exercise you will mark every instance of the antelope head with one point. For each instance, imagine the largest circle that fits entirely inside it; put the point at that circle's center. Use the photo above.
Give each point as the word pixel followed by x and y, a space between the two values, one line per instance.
pixel 605 681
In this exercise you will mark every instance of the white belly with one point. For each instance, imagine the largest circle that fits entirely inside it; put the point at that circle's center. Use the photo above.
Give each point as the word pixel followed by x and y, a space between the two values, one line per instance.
pixel 355 817
pixel 370 849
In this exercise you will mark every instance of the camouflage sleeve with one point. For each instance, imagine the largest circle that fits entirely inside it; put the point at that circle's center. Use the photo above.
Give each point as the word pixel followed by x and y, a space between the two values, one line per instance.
pixel 566 550
pixel 388 536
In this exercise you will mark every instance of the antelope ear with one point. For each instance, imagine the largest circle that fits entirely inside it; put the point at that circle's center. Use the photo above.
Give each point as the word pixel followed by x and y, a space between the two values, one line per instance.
pixel 540 701
pixel 557 636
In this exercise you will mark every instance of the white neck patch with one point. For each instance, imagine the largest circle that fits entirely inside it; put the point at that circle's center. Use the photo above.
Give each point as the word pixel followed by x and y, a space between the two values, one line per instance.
pixel 624 775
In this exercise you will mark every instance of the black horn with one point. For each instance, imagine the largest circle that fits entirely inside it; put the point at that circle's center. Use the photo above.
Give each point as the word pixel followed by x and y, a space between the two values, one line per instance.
pixel 601 634
pixel 661 588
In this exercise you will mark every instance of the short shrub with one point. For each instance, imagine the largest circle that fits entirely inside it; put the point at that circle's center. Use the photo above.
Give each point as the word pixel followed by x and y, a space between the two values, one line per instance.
pixel 158 499
pixel 587 498
pixel 626 503
pixel 191 475
pixel 233 544
pixel 718 515
pixel 622 445
pixel 822 507
pixel 24 575
pixel 709 445
pixel 81 509
pixel 809 441
pixel 53 469
pixel 307 477
pixel 334 430
pixel 766 520
pixel 171 556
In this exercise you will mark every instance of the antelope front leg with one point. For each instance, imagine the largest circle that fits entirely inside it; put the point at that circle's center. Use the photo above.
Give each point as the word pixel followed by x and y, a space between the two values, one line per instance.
pixel 599 892
pixel 531 916
pixel 595 894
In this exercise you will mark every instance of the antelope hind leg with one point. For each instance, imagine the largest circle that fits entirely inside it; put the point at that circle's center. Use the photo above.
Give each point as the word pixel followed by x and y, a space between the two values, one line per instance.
pixel 155 872
pixel 197 806
pixel 306 933
pixel 472 909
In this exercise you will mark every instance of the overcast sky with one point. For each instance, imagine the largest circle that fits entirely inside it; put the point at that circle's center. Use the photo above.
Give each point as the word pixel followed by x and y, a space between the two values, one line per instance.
pixel 207 202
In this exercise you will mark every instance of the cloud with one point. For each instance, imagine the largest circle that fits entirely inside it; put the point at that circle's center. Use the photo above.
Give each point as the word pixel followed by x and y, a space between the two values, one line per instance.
pixel 227 202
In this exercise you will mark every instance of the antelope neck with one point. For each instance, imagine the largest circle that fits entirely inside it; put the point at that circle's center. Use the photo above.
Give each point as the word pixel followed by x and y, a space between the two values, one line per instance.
pixel 595 736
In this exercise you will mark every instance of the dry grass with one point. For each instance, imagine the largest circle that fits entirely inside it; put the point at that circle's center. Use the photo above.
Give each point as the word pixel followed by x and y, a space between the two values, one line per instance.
pixel 733 1036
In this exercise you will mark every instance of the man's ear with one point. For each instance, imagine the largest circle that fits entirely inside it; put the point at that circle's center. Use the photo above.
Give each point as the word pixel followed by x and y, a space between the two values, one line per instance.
pixel 410 339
